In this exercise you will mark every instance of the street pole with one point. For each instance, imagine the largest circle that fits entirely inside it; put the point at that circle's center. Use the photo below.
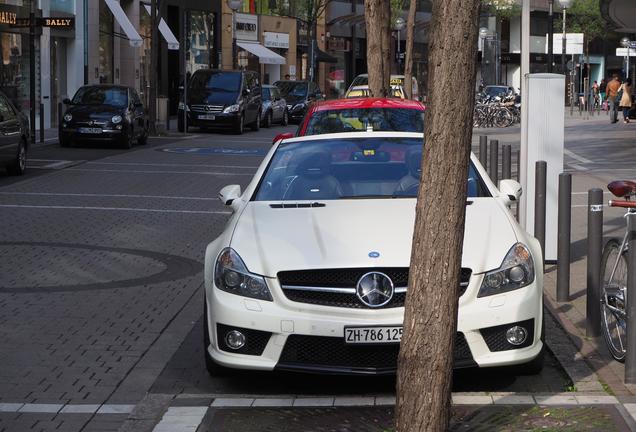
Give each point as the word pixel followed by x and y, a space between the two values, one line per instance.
pixel 551 38
pixel 525 70
pixel 398 51
pixel 32 71
pixel 152 98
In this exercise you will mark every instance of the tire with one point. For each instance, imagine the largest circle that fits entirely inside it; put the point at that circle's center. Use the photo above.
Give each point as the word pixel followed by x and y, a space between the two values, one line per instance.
pixel 214 369
pixel 256 126
pixel 285 120
pixel 614 294
pixel 240 126
pixel 18 167
pixel 127 143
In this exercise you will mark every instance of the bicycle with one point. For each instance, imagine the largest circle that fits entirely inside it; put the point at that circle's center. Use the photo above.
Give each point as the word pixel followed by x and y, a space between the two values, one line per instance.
pixel 614 276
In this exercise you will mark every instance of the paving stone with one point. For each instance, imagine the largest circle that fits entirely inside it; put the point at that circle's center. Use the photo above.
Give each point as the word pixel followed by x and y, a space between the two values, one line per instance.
pixel 471 400
pixel 354 401
pixel 232 402
pixel 272 402
pixel 556 400
pixel 79 409
pixel 313 402
pixel 513 400
pixel 591 400
pixel 385 400
pixel 40 408
pixel 10 407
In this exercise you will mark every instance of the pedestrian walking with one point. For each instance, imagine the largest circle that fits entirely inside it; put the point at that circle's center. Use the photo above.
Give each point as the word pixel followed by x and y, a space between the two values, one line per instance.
pixel 596 96
pixel 626 99
pixel 602 88
pixel 612 92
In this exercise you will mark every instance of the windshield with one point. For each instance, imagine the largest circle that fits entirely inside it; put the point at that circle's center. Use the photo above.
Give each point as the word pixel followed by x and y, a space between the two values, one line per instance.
pixel 360 80
pixel 349 169
pixel 294 89
pixel 216 81
pixel 357 120
pixel 113 96
pixel 495 91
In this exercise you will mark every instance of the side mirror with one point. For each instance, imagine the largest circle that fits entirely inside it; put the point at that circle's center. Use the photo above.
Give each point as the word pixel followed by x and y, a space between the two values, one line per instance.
pixel 282 136
pixel 510 190
pixel 228 194
pixel 67 101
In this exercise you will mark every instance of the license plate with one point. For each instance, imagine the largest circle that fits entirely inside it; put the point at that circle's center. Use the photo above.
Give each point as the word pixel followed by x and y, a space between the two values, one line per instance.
pixel 207 117
pixel 373 335
pixel 90 130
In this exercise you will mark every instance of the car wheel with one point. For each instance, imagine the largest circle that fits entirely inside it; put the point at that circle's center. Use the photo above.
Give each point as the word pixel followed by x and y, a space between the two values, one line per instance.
pixel 285 120
pixel 128 140
pixel 18 167
pixel 256 126
pixel 213 368
pixel 239 127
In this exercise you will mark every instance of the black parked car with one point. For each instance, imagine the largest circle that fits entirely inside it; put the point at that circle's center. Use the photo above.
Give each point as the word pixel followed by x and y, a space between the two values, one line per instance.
pixel 222 99
pixel 299 95
pixel 14 137
pixel 109 113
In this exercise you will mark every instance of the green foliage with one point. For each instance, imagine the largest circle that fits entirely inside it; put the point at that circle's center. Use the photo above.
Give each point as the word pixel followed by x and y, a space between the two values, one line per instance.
pixel 397 8
pixel 503 9
pixel 584 16
pixel 307 11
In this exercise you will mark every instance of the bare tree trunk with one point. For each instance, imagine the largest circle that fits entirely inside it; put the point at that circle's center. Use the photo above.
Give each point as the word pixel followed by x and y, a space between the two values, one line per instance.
pixel 430 321
pixel 410 41
pixel 378 45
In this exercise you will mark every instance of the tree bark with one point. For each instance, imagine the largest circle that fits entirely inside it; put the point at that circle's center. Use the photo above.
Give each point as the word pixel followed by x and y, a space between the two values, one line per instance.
pixel 430 320
pixel 410 41
pixel 377 15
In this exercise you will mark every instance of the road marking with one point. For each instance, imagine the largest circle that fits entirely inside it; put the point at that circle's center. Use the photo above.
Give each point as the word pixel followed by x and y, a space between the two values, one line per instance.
pixel 181 419
pixel 577 157
pixel 113 209
pixel 173 164
pixel 54 163
pixel 88 195
pixel 32 408
pixel 161 172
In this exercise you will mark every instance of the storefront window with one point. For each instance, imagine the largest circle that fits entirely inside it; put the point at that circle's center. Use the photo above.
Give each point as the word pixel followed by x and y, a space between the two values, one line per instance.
pixel 106 42
pixel 200 47
pixel 14 68
pixel 67 6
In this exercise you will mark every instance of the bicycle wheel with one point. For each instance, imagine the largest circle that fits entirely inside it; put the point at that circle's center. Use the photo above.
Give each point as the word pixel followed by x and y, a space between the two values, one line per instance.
pixel 503 117
pixel 614 299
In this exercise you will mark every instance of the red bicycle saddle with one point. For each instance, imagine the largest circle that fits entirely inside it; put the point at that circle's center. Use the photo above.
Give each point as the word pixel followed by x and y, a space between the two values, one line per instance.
pixel 622 188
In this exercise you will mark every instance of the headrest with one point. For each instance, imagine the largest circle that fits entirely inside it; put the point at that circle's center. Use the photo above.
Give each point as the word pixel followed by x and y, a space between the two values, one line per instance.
pixel 413 160
pixel 315 165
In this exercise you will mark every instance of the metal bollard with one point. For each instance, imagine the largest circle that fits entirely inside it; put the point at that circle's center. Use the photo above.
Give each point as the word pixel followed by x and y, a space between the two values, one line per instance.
pixel 506 163
pixel 493 172
pixel 41 122
pixel 563 241
pixel 541 170
pixel 630 360
pixel 594 253
pixel 168 116
pixel 483 151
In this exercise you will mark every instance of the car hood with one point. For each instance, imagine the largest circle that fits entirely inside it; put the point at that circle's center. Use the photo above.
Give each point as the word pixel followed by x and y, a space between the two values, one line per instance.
pixel 292 100
pixel 343 233
pixel 94 112
pixel 212 98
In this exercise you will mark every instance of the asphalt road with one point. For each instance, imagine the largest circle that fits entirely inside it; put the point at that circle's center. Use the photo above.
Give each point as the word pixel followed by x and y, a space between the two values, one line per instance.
pixel 101 284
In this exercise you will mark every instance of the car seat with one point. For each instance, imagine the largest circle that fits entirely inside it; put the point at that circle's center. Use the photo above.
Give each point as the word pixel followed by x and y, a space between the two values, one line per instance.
pixel 313 179
pixel 409 184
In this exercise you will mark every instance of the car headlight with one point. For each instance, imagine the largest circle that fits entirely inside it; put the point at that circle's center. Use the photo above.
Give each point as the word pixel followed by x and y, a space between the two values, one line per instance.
pixel 116 119
pixel 182 106
pixel 516 271
pixel 231 275
pixel 298 107
pixel 68 117
pixel 232 109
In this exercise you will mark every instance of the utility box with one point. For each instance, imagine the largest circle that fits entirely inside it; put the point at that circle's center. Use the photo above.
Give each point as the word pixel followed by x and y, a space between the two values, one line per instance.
pixel 545 137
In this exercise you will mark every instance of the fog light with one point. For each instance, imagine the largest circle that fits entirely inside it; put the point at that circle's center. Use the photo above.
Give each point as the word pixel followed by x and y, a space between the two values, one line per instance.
pixel 235 339
pixel 516 335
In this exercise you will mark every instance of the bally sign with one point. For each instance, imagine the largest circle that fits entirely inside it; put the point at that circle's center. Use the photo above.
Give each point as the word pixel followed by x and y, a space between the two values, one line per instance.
pixel 67 23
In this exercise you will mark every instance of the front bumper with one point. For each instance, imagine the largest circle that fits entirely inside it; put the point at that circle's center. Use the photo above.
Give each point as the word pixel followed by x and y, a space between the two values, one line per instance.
pixel 221 120
pixel 306 337
pixel 107 135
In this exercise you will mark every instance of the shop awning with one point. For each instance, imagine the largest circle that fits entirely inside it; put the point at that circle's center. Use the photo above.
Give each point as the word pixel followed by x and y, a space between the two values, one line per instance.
pixel 125 24
pixel 323 57
pixel 171 40
pixel 266 56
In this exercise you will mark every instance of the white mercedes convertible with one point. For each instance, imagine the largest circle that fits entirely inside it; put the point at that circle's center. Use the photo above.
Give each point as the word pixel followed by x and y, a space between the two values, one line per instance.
pixel 311 272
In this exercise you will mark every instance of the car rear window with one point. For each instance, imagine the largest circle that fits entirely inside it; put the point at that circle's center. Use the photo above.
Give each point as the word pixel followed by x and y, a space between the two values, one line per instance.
pixel 360 119
pixel 359 168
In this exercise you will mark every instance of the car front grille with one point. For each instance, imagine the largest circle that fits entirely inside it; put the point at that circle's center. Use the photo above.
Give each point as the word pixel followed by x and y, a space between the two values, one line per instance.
pixel 93 123
pixel 337 287
pixel 322 353
pixel 207 108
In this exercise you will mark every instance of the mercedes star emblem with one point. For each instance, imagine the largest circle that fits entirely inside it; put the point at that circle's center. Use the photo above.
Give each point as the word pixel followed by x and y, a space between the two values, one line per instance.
pixel 375 289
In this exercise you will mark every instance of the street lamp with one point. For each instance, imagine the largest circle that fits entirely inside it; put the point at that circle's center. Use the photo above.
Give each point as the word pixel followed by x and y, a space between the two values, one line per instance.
pixel 625 42
pixel 565 4
pixel 235 5
pixel 398 25
pixel 483 34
